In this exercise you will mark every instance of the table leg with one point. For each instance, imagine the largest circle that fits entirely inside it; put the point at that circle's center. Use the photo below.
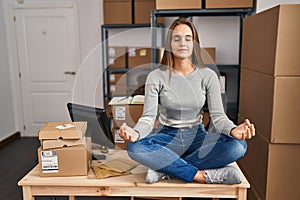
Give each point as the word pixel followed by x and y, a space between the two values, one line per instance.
pixel 71 197
pixel 27 194
pixel 242 194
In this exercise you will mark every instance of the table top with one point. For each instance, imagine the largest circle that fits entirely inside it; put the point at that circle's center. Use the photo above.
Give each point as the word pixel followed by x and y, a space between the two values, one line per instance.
pixel 136 179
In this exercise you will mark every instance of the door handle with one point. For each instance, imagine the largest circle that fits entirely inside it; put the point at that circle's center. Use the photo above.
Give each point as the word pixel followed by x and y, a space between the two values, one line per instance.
pixel 70 73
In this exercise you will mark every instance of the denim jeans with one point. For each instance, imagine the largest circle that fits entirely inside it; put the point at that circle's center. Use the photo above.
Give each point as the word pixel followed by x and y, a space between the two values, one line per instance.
pixel 181 152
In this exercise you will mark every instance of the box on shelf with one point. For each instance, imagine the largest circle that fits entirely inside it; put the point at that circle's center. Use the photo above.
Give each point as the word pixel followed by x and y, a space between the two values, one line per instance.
pixel 208 55
pixel 271 168
pixel 108 109
pixel 228 3
pixel 178 4
pixel 117 57
pixel 66 161
pixel 118 89
pixel 117 11
pixel 142 11
pixel 139 56
pixel 271 41
pixel 63 130
pixel 117 78
pixel 272 104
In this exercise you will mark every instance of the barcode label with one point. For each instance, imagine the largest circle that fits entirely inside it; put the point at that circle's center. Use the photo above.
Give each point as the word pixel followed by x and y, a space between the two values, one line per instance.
pixel 49 162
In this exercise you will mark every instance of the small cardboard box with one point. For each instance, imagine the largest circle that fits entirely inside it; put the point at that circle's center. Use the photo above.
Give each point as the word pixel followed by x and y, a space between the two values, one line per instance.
pixel 139 57
pixel 178 4
pixel 118 84
pixel 62 130
pixel 228 3
pixel 271 41
pixel 117 11
pixel 117 57
pixel 66 161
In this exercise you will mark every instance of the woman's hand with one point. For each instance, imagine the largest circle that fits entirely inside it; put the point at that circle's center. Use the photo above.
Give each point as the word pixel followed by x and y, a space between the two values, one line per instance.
pixel 128 134
pixel 243 131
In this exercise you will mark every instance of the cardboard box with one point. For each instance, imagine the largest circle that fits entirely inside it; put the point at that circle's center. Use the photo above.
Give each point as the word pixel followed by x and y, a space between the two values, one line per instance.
pixel 118 89
pixel 138 57
pixel 60 143
pixel 108 109
pixel 178 4
pixel 63 130
pixel 129 114
pixel 272 169
pixel 208 55
pixel 126 113
pixel 66 161
pixel 228 3
pixel 119 142
pixel 142 11
pixel 271 39
pixel 117 11
pixel 117 79
pixel 118 84
pixel 272 104
pixel 117 57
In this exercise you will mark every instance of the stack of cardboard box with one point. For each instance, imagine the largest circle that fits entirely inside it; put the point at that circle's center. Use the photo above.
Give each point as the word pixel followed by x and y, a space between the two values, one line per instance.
pixel 128 11
pixel 199 4
pixel 64 151
pixel 269 97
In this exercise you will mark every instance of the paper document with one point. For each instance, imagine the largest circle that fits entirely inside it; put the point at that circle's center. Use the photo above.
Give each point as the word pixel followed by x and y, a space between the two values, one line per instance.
pixel 126 100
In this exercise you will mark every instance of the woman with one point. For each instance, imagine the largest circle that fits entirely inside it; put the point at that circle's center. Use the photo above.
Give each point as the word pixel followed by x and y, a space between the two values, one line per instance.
pixel 181 147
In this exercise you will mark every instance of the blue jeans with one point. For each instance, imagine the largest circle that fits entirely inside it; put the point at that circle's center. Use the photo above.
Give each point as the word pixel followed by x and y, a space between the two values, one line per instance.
pixel 181 152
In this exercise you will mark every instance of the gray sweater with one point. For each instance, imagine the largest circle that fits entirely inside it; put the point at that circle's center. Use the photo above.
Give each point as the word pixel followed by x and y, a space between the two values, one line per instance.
pixel 179 100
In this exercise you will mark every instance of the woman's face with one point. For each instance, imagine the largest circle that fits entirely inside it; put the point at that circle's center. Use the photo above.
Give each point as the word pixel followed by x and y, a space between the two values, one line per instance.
pixel 182 41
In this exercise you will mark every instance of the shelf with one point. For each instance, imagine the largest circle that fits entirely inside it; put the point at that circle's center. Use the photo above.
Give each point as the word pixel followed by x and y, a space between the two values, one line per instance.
pixel 220 66
pixel 118 26
pixel 202 12
pixel 117 70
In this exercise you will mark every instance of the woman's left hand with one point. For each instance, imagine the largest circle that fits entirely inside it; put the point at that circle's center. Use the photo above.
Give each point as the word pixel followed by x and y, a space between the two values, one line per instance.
pixel 243 131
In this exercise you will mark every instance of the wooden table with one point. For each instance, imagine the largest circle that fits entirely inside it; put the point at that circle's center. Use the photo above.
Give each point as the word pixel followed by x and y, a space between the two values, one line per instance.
pixel 132 185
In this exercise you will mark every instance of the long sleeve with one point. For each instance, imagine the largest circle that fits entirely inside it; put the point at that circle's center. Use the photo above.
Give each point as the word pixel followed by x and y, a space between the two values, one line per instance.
pixel 146 122
pixel 219 120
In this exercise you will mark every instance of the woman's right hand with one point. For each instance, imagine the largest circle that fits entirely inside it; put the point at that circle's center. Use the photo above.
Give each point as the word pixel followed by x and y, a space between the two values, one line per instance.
pixel 128 134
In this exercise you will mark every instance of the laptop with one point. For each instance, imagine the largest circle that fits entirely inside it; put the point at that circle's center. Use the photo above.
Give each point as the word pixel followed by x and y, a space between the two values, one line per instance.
pixel 98 126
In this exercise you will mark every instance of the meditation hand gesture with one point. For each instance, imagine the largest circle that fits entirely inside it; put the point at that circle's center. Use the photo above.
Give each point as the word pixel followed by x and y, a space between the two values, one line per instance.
pixel 128 134
pixel 243 131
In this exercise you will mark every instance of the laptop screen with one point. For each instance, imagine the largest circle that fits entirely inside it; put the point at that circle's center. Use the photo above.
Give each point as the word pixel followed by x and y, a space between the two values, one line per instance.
pixel 98 127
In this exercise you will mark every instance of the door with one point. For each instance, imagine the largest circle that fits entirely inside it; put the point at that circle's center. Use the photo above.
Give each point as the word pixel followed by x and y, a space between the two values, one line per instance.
pixel 47 44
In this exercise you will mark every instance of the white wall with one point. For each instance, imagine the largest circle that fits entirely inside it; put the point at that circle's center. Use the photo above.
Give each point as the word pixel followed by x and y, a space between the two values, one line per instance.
pixel 266 4
pixel 7 121
pixel 90 71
